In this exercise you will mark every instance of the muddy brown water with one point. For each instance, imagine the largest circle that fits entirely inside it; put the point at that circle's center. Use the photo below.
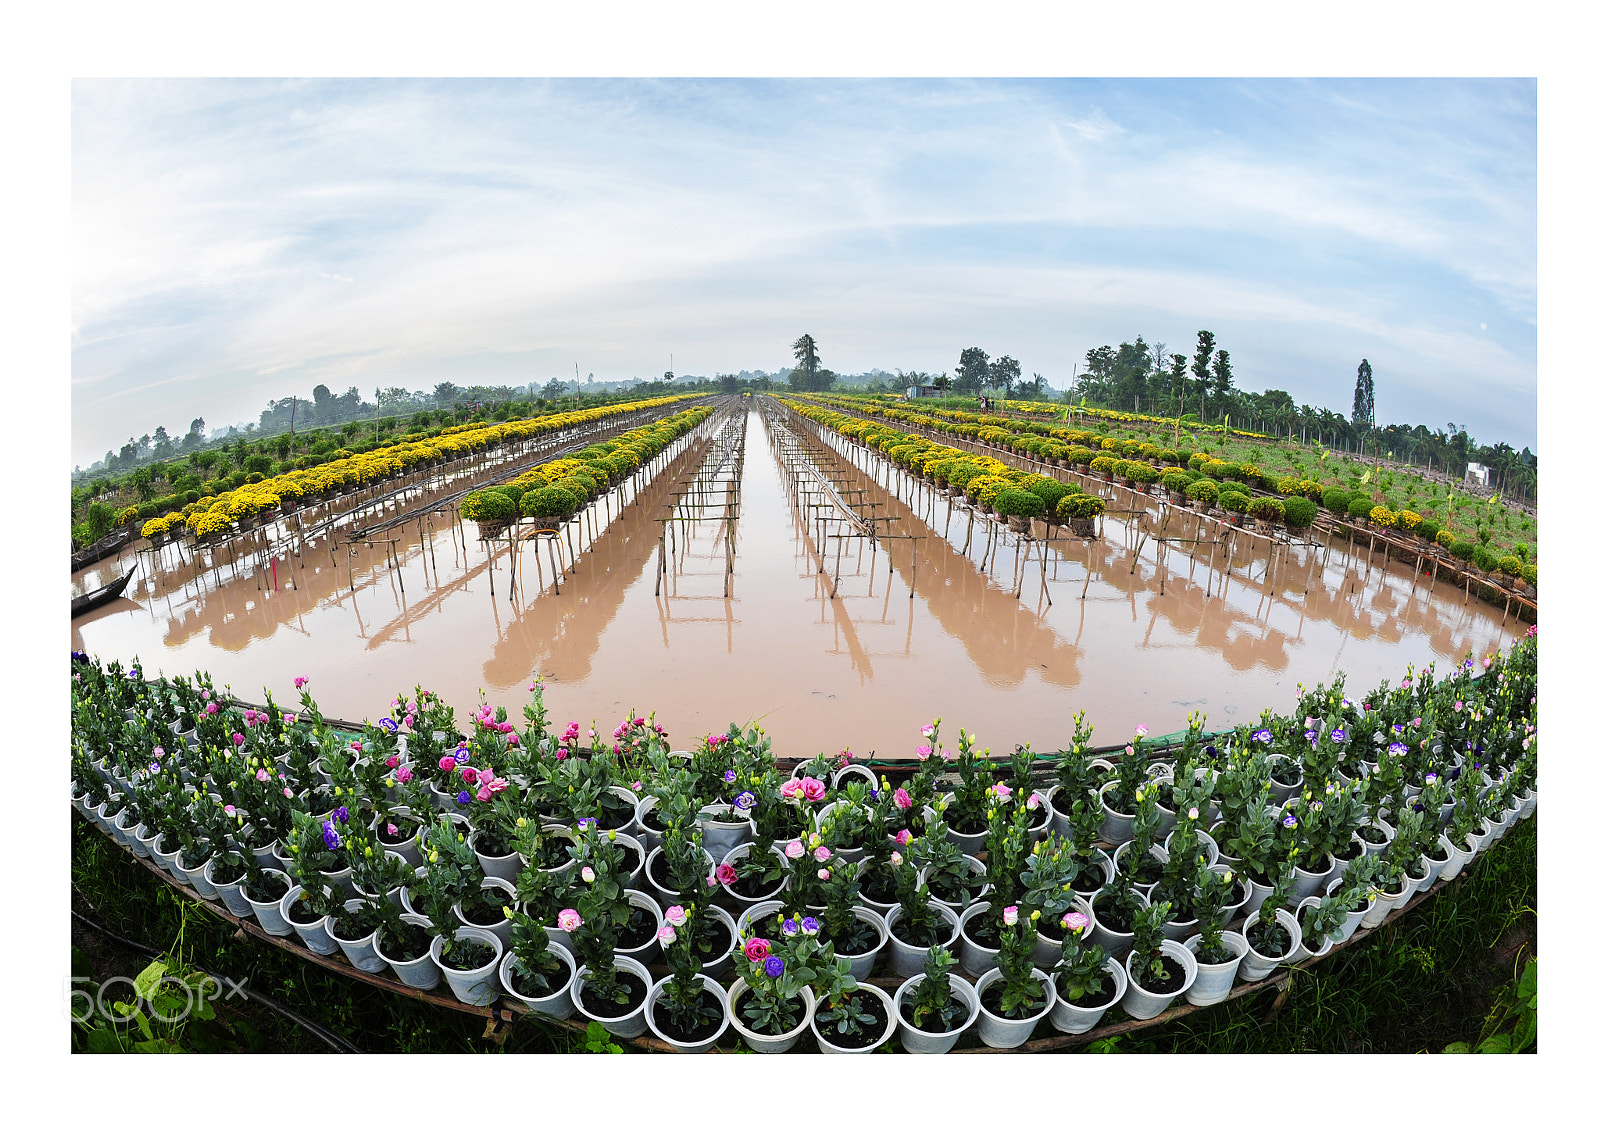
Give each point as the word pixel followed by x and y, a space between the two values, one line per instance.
pixel 864 668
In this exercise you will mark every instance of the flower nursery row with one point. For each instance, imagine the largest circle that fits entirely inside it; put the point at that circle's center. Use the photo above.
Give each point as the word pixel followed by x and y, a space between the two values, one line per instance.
pixel 553 491
pixel 1190 478
pixel 709 895
pixel 1054 411
pixel 214 514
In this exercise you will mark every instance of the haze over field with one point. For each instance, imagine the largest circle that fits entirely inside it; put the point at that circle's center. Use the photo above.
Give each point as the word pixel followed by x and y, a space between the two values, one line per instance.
pixel 241 240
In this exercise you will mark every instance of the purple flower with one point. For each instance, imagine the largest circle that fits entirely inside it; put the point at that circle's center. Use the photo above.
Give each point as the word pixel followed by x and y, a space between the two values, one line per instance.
pixel 790 928
pixel 585 822
pixel 329 837
pixel 745 801
pixel 463 797
pixel 1338 734
pixel 461 753
pixel 728 775
pixel 1262 735
pixel 342 815
pixel 1211 751
pixel 388 724
pixel 1398 748
pixel 773 967
pixel 809 926
pixel 1312 735
pixel 1288 821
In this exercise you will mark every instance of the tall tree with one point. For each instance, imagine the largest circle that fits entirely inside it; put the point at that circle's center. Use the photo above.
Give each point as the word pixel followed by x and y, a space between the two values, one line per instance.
pixel 1363 414
pixel 1201 365
pixel 1180 387
pixel 805 352
pixel 972 371
pixel 1221 379
pixel 1005 372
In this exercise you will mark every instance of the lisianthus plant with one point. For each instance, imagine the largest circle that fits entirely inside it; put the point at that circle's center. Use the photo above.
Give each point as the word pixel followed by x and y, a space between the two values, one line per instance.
pixel 1210 909
pixel 839 885
pixel 945 868
pixel 1255 844
pixel 1145 868
pixel 374 873
pixel 597 923
pixel 777 970
pixel 973 795
pixel 317 848
pixel 537 972
pixel 1145 963
pixel 1327 917
pixel 1133 769
pixel 1016 994
pixel 845 1012
pixel 690 1010
pixel 1268 936
pixel 1047 879
pixel 931 1006
pixel 919 923
pixel 1080 974
pixel 542 889
pixel 1008 845
pixel 452 874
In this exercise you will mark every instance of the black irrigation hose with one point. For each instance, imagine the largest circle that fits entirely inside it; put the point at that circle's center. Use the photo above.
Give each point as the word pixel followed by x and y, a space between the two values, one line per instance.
pixel 327 1037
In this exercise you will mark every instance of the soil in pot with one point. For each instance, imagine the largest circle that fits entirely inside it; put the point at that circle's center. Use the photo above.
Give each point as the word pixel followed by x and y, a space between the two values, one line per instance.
pixel 615 811
pixel 487 909
pixel 1287 775
pixel 958 892
pixel 933 1023
pixel 940 934
pixel 668 1024
pixel 491 844
pixel 405 829
pixel 300 912
pixel 640 929
pixel 1110 917
pixel 351 926
pixel 1171 984
pixel 1348 853
pixel 408 945
pixel 713 939
pixel 1090 879
pixel 225 874
pixel 1270 940
pixel 652 822
pixel 863 1035
pixel 981 929
pixel 468 954
pixel 522 982
pixel 991 1001
pixel 1102 996
pixel 879 886
pixel 1372 834
pixel 859 938
pixel 969 826
pixel 748 887
pixel 604 1007
pixel 1146 870
pixel 1436 851
pixel 275 888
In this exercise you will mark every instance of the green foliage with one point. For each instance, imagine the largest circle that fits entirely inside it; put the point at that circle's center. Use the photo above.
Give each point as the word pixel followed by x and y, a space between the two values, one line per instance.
pixel 1267 509
pixel 549 502
pixel 1203 491
pixel 1014 501
pixel 1299 511
pixel 1485 558
pixel 1519 1006
pixel 487 506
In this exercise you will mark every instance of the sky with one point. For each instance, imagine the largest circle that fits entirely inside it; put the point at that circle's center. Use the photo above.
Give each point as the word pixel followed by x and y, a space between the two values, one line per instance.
pixel 235 241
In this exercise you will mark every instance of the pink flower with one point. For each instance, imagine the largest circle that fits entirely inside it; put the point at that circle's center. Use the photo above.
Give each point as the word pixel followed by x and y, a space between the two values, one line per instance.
pixel 947 755
pixel 1459 704
pixel 287 792
pixel 902 799
pixel 289 719
pixel 491 783
pixel 262 775
pixel 711 881
pixel 238 739
pixel 896 859
pixel 1034 799
pixel 676 915
pixel 229 810
pixel 469 775
pixel 392 829
pixel 903 837
pixel 1075 921
pixel 927 730
pixel 823 873
pixel 924 753
pixel 1002 790
pixel 588 875
pixel 813 789
pixel 483 793
pixel 299 682
pixel 511 740
pixel 1416 722
pixel 403 774
pixel 392 761
pixel 409 720
pixel 666 936
pixel 1009 916
pixel 794 850
pixel 1141 730
pixel 726 874
pixel 356 746
pixel 447 763
pixel 845 755
pixel 757 950
pixel 569 920
pixel 790 790
pixel 561 752
pixel 822 854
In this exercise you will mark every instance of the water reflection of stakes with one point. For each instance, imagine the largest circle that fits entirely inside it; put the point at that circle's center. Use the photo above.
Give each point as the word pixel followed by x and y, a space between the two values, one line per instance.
pixel 712 492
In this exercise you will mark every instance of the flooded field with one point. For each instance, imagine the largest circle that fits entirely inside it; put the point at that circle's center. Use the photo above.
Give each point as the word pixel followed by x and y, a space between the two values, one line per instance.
pixel 820 638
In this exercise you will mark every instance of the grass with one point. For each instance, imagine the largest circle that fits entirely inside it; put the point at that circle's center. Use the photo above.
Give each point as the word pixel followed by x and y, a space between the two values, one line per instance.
pixel 1429 979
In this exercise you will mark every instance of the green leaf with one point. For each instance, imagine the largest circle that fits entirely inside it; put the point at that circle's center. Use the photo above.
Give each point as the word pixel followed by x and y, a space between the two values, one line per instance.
pixel 161 1045
pixel 102 1041
pixel 1499 1043
pixel 149 978
pixel 1528 986
pixel 1457 1046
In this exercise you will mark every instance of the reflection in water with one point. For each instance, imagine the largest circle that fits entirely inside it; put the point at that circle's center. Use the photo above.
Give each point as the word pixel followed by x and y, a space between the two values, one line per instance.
pixel 1150 640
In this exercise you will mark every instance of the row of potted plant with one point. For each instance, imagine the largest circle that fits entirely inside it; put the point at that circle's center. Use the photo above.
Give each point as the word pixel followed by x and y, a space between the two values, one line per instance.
pixel 213 514
pixel 690 892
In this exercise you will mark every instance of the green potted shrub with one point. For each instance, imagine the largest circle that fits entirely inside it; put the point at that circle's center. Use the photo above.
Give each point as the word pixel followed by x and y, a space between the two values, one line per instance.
pixel 1266 511
pixel 490 509
pixel 1359 507
pixel 1299 512
pixel 1018 506
pixel 1203 493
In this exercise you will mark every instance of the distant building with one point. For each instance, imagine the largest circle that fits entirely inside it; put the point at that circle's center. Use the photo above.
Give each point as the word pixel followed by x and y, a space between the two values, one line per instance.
pixel 1478 473
pixel 914 392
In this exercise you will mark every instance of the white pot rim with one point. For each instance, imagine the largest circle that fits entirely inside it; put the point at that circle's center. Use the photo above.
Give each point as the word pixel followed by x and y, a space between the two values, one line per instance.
pixel 969 998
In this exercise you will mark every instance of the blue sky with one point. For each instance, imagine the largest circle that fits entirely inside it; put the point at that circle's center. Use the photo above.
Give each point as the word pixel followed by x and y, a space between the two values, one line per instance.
pixel 240 240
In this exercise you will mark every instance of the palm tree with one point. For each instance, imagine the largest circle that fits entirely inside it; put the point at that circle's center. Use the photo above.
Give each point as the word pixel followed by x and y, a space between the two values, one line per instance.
pixel 805 352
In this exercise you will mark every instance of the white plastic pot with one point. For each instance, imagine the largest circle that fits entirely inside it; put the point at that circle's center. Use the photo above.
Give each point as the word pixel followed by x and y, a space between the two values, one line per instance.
pixel 1070 1018
pixel 231 894
pixel 362 953
pixel 476 986
pixel 1214 981
pixel 268 914
pixel 1256 965
pixel 1115 943
pixel 884 1005
pixel 1140 1003
pixel 761 1042
pixel 557 1005
pixel 916 1040
pixel 420 973
pixel 905 959
pixel 314 935
pixel 703 1044
pixel 1004 1032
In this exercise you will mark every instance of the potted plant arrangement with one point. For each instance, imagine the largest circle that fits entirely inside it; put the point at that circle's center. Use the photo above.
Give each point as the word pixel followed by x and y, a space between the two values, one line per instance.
pixel 772 1002
pixel 1013 996
pixel 1158 968
pixel 687 1010
pixel 935 1007
pixel 1087 981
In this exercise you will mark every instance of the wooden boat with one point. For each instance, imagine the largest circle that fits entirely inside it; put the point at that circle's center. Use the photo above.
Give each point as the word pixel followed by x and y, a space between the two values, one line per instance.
pixel 97 597
pixel 104 548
